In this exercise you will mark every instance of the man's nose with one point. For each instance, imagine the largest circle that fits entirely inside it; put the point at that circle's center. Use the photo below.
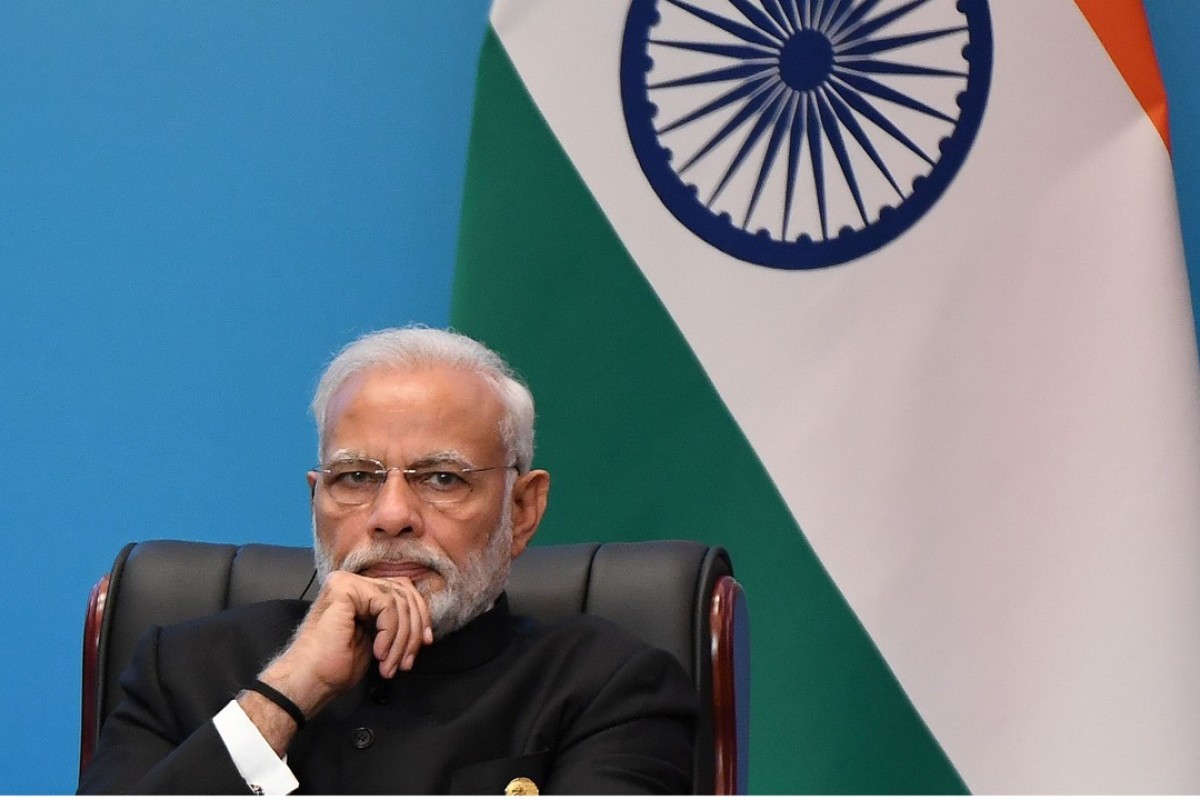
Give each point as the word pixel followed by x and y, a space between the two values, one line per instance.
pixel 396 510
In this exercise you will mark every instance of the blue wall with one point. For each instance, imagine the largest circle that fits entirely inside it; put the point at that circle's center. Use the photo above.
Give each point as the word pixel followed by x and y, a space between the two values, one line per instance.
pixel 199 202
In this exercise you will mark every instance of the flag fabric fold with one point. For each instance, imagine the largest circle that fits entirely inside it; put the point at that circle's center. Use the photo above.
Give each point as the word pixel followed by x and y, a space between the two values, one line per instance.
pixel 888 298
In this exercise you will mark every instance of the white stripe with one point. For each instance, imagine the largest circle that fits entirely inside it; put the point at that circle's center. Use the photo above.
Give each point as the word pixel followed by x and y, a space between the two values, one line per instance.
pixel 989 430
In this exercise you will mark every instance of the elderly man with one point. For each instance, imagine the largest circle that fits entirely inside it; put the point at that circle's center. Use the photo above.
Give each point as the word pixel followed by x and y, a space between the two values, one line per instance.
pixel 407 674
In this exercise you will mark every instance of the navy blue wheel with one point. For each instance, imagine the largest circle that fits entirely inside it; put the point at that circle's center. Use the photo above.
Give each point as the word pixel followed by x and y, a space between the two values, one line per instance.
pixel 800 134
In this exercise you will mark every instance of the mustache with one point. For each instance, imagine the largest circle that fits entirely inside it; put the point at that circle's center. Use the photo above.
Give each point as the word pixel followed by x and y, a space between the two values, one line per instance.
pixel 362 558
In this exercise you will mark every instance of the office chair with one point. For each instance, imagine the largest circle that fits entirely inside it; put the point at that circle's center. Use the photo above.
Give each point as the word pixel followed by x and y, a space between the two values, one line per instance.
pixel 677 595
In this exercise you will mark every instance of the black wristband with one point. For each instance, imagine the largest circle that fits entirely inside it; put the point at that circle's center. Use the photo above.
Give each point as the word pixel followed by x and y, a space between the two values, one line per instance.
pixel 280 699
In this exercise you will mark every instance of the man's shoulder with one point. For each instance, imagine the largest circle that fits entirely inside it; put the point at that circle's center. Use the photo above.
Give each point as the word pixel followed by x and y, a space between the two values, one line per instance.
pixel 580 627
pixel 590 639
pixel 266 614
pixel 201 663
pixel 267 624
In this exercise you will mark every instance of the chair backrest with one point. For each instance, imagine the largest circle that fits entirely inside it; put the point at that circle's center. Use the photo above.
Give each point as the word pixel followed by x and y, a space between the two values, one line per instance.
pixel 676 595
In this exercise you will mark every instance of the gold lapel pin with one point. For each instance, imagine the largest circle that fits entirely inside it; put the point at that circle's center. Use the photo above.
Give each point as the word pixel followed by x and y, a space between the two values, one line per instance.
pixel 520 786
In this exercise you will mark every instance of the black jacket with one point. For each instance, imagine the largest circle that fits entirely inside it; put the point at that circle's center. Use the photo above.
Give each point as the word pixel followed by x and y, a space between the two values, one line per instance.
pixel 578 707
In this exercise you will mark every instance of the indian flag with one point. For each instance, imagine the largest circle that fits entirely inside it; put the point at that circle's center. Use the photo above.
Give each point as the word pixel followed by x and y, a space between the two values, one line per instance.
pixel 887 297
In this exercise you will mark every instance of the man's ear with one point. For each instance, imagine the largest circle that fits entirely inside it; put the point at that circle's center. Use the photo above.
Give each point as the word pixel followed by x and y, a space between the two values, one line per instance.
pixel 312 485
pixel 529 496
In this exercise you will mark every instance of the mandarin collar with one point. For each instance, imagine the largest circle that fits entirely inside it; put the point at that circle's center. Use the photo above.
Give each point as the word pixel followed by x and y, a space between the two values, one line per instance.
pixel 476 643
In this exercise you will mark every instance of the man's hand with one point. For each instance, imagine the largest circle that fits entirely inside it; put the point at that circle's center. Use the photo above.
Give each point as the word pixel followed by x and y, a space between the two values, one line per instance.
pixel 353 618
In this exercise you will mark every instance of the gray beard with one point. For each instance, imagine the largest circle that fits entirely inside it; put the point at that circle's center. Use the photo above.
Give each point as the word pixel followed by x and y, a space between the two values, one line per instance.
pixel 468 591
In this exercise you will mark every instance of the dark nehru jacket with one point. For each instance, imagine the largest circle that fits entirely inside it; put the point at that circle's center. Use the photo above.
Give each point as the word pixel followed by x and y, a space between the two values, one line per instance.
pixel 579 707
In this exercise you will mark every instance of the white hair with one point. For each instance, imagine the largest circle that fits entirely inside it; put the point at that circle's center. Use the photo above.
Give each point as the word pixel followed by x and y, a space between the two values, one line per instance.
pixel 418 346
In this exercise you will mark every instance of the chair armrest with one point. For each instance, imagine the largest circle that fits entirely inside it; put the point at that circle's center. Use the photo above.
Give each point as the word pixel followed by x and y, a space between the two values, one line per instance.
pixel 91 656
pixel 730 630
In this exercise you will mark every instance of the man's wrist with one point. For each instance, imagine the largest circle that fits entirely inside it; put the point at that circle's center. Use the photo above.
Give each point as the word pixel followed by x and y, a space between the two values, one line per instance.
pixel 264 770
pixel 280 699
pixel 276 725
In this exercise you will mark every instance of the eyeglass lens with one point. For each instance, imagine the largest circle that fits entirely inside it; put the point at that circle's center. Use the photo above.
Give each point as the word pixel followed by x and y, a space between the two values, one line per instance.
pixel 358 482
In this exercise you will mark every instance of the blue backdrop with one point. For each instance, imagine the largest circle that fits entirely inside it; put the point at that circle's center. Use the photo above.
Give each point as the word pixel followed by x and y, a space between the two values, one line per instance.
pixel 199 202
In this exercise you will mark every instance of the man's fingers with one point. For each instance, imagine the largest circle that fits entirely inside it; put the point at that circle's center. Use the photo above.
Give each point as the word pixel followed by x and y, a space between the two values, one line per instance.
pixel 416 626
pixel 353 619
pixel 400 615
pixel 388 620
pixel 409 640
pixel 426 621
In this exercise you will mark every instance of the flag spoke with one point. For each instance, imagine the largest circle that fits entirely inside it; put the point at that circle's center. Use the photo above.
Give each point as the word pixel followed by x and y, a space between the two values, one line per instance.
pixel 753 104
pixel 777 13
pixel 765 118
pixel 852 19
pixel 795 142
pixel 818 169
pixel 779 128
pixel 876 89
pixel 867 27
pixel 866 109
pixel 732 96
pixel 866 46
pixel 743 32
pixel 879 67
pixel 743 52
pixel 833 134
pixel 737 72
pixel 836 15
pixel 820 14
pixel 793 7
pixel 846 116
pixel 759 19
pixel 833 10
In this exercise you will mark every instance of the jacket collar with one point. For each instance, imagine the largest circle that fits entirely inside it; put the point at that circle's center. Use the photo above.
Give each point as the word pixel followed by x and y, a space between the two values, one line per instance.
pixel 476 643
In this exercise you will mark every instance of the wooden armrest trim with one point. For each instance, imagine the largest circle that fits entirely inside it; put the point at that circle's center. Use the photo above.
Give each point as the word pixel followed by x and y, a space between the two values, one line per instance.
pixel 725 640
pixel 91 678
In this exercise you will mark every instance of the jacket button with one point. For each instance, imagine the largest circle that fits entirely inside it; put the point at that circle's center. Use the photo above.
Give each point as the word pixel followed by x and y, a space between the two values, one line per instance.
pixel 362 738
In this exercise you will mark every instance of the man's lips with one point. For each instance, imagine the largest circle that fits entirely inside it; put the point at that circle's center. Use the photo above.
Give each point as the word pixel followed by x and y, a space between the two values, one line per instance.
pixel 397 569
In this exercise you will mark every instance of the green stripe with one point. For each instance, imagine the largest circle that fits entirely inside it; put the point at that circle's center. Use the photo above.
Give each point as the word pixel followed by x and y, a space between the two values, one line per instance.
pixel 640 447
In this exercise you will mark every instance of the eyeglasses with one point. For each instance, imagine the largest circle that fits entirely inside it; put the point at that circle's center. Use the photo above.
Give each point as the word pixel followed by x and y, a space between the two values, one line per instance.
pixel 356 482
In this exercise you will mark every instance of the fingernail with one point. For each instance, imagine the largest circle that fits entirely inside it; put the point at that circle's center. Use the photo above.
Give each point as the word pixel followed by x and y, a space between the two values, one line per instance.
pixel 428 636
pixel 408 662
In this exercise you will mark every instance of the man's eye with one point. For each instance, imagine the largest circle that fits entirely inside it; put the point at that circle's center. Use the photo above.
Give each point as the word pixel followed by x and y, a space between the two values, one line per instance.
pixel 440 480
pixel 355 477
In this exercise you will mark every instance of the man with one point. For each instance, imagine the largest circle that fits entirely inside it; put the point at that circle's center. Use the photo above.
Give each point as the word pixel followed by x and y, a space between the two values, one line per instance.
pixel 406 674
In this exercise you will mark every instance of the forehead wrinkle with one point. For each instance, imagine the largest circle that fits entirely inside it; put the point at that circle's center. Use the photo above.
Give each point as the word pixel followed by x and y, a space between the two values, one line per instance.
pixel 431 459
pixel 346 454
pixel 441 457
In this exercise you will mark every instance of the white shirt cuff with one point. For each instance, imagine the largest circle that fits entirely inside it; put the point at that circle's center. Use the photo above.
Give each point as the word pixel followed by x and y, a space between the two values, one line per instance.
pixel 263 771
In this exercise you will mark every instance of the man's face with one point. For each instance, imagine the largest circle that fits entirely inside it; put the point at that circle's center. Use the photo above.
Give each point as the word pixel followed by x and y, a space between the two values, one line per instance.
pixel 457 555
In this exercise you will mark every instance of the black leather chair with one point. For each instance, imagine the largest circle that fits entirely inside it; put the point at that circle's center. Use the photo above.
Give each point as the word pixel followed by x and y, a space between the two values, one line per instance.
pixel 677 595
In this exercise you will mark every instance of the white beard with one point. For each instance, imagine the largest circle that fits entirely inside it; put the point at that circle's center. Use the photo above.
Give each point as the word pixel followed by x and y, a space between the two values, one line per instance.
pixel 467 592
